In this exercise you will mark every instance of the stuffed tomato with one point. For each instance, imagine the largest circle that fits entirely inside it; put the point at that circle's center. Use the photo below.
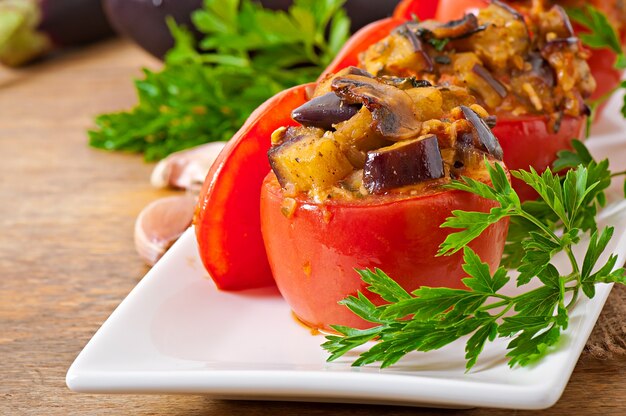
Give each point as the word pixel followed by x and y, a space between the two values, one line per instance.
pixel 531 73
pixel 601 61
pixel 361 184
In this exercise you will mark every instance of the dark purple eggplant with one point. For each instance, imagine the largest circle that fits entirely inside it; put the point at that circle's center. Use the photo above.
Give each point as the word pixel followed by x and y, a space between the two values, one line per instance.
pixel 404 163
pixel 509 9
pixel 541 69
pixel 144 20
pixel 454 29
pixel 324 111
pixel 497 86
pixel 33 28
pixel 418 47
pixel 391 107
pixel 560 44
pixel 482 134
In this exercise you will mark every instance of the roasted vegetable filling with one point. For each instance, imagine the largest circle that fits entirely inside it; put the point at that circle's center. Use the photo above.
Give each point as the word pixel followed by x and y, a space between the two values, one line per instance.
pixel 363 135
pixel 614 10
pixel 513 65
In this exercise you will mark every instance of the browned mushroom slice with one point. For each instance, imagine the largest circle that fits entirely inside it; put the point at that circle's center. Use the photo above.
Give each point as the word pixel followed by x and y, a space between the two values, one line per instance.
pixel 454 29
pixel 324 111
pixel 402 164
pixel 391 108
pixel 483 136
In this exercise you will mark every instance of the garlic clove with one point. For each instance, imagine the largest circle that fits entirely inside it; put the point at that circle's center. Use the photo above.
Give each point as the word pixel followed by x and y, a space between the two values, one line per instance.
pixel 186 169
pixel 160 224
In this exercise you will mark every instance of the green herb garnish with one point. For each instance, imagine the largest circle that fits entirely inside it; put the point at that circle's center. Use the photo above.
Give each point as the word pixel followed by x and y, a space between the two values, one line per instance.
pixel 439 44
pixel 430 318
pixel 601 33
pixel 249 54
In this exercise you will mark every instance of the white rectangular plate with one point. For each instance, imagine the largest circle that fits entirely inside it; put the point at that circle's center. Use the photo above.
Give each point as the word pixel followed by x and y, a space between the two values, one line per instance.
pixel 176 333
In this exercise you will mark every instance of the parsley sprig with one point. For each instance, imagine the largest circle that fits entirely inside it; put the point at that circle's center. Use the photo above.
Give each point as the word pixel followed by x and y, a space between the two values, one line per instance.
pixel 430 318
pixel 247 55
pixel 601 33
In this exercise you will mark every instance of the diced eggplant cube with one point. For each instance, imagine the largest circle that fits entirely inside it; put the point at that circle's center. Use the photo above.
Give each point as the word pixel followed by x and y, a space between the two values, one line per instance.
pixel 309 162
pixel 401 164
pixel 483 136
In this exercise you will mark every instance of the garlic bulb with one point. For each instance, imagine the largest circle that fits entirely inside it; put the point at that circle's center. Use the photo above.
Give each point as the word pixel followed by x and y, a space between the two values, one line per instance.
pixel 186 169
pixel 160 224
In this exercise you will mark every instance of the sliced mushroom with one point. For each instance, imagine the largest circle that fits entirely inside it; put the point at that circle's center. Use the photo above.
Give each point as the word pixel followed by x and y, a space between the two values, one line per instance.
pixel 391 108
pixel 402 164
pixel 186 169
pixel 454 29
pixel 160 224
pixel 324 111
pixel 483 136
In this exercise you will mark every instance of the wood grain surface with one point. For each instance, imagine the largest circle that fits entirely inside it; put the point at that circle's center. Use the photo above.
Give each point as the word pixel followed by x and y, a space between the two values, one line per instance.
pixel 67 256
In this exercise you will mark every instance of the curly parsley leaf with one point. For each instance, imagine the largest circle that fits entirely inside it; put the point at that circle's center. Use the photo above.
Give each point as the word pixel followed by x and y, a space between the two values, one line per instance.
pixel 430 318
pixel 601 33
pixel 205 92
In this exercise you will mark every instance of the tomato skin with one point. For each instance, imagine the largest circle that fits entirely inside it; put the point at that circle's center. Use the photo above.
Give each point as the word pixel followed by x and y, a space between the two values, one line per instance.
pixel 528 141
pixel 313 253
pixel 423 9
pixel 602 65
pixel 455 9
pixel 227 221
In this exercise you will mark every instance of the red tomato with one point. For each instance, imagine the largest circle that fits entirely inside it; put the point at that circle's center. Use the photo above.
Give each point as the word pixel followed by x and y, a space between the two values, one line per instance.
pixel 601 62
pixel 422 9
pixel 528 141
pixel 313 253
pixel 227 219
pixel 456 9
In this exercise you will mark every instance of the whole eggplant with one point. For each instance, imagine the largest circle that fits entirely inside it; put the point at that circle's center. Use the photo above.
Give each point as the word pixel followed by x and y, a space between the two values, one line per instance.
pixel 31 28
pixel 144 20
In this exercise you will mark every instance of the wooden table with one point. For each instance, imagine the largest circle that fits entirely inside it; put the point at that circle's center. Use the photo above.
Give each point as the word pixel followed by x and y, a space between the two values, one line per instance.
pixel 67 256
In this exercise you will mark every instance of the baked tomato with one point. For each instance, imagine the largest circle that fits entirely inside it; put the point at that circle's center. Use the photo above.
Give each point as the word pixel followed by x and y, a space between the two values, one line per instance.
pixel 529 141
pixel 314 250
pixel 601 61
pixel 227 221
pixel 455 9
pixel 421 9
